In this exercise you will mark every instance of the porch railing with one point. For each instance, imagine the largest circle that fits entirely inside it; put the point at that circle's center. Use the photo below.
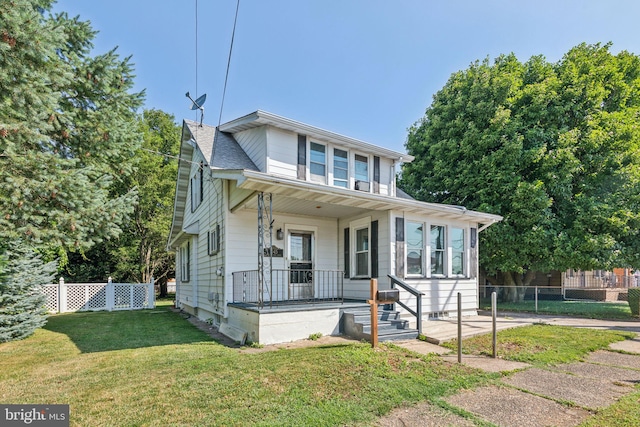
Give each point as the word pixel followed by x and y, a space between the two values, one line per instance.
pixel 286 286
pixel 418 311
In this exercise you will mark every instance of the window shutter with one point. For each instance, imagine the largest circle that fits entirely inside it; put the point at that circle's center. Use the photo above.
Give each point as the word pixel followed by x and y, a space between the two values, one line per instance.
pixel 473 253
pixel 346 253
pixel 400 247
pixel 376 174
pixel 374 249
pixel 302 157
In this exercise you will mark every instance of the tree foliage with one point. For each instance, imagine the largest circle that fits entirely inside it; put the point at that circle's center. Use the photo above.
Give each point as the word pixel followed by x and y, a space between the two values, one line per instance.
pixel 67 140
pixel 22 302
pixel 140 251
pixel 67 130
pixel 552 147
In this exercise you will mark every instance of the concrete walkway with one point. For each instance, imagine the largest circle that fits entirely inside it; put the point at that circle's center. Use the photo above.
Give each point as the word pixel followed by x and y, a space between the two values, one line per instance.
pixel 530 396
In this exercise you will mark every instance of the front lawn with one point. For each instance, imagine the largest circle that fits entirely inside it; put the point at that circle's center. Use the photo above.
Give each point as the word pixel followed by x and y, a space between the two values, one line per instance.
pixel 152 367
pixel 588 309
pixel 542 344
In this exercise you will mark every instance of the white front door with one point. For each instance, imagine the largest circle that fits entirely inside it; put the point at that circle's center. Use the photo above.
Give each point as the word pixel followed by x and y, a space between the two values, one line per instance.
pixel 300 265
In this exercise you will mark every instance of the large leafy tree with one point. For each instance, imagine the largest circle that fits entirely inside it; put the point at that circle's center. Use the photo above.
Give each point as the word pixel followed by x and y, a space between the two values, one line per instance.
pixel 67 133
pixel 552 147
pixel 140 252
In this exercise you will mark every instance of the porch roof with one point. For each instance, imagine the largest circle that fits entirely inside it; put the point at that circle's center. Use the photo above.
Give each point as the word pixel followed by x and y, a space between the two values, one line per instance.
pixel 311 199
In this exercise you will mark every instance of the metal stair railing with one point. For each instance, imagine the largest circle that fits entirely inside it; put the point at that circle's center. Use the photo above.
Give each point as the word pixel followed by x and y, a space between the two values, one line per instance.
pixel 418 311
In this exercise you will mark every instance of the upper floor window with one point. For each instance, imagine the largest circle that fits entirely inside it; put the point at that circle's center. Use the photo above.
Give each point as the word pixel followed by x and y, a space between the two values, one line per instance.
pixel 437 249
pixel 197 188
pixel 457 251
pixel 340 168
pixel 362 172
pixel 318 162
pixel 415 248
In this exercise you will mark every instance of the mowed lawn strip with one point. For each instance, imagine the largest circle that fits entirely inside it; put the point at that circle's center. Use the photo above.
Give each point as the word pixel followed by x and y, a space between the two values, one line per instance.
pixel 542 344
pixel 153 367
pixel 587 309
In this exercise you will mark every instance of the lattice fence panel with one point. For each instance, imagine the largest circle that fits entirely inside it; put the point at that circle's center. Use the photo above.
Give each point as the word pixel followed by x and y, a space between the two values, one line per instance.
pixel 97 297
pixel 122 296
pixel 76 297
pixel 51 292
pixel 140 296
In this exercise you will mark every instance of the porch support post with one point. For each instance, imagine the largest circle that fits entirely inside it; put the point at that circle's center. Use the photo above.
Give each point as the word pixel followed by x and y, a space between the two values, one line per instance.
pixel 265 244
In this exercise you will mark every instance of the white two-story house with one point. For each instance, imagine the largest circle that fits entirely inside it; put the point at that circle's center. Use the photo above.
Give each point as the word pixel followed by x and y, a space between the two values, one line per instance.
pixel 278 226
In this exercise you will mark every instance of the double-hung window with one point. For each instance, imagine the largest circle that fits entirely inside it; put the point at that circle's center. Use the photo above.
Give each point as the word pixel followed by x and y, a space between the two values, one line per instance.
pixel 438 247
pixel 340 168
pixel 185 262
pixel 197 188
pixel 361 243
pixel 457 251
pixel 361 173
pixel 415 249
pixel 318 162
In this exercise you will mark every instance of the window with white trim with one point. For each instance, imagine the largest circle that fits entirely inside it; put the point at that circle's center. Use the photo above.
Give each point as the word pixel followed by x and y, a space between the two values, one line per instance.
pixel 197 188
pixel 438 248
pixel 318 162
pixel 361 173
pixel 457 251
pixel 362 252
pixel 213 240
pixel 415 248
pixel 340 168
pixel 185 262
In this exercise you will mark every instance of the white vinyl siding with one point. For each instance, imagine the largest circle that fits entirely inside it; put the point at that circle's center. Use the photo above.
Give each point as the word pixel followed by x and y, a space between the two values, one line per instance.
pixel 254 143
pixel 282 152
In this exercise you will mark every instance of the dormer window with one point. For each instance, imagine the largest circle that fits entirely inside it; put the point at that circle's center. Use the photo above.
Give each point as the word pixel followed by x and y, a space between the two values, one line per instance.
pixel 340 168
pixel 362 173
pixel 318 162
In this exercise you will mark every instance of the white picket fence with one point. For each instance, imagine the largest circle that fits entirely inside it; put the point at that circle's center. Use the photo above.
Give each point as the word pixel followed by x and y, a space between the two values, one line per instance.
pixel 68 297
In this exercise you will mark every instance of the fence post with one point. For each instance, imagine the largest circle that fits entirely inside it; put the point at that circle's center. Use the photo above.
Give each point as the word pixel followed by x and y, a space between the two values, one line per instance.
pixel 111 295
pixel 62 294
pixel 459 327
pixel 536 298
pixel 152 294
pixel 494 312
pixel 374 312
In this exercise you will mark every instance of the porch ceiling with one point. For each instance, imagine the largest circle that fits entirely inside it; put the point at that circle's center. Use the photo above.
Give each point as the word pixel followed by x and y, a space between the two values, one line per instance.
pixel 310 199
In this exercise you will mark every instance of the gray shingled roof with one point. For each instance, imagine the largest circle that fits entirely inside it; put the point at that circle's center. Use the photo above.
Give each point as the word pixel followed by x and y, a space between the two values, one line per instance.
pixel 227 154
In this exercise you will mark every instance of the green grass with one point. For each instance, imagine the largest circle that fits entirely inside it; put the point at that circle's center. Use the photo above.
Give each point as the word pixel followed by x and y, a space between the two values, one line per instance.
pixel 592 310
pixel 541 344
pixel 152 367
pixel 624 413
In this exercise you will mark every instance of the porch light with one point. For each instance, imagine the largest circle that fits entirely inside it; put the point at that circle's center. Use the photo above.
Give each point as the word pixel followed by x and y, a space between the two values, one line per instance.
pixel 279 234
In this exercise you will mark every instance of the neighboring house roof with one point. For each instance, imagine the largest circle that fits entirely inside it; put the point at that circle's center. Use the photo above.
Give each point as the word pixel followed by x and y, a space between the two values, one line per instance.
pixel 226 154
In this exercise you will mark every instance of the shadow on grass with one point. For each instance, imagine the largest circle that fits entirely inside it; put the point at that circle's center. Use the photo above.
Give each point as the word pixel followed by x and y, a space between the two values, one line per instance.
pixel 118 330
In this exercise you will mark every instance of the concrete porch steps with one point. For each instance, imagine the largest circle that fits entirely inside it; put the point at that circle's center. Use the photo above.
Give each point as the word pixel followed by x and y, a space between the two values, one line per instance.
pixel 356 323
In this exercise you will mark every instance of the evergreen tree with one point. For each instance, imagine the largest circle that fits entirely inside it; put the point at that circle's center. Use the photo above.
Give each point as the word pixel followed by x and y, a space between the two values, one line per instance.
pixel 67 130
pixel 68 135
pixel 22 302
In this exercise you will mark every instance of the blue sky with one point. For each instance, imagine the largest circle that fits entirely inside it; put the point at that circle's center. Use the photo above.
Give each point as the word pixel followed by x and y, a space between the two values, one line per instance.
pixel 367 69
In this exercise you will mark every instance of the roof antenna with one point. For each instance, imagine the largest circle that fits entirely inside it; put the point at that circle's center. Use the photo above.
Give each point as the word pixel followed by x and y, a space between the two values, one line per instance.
pixel 198 104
